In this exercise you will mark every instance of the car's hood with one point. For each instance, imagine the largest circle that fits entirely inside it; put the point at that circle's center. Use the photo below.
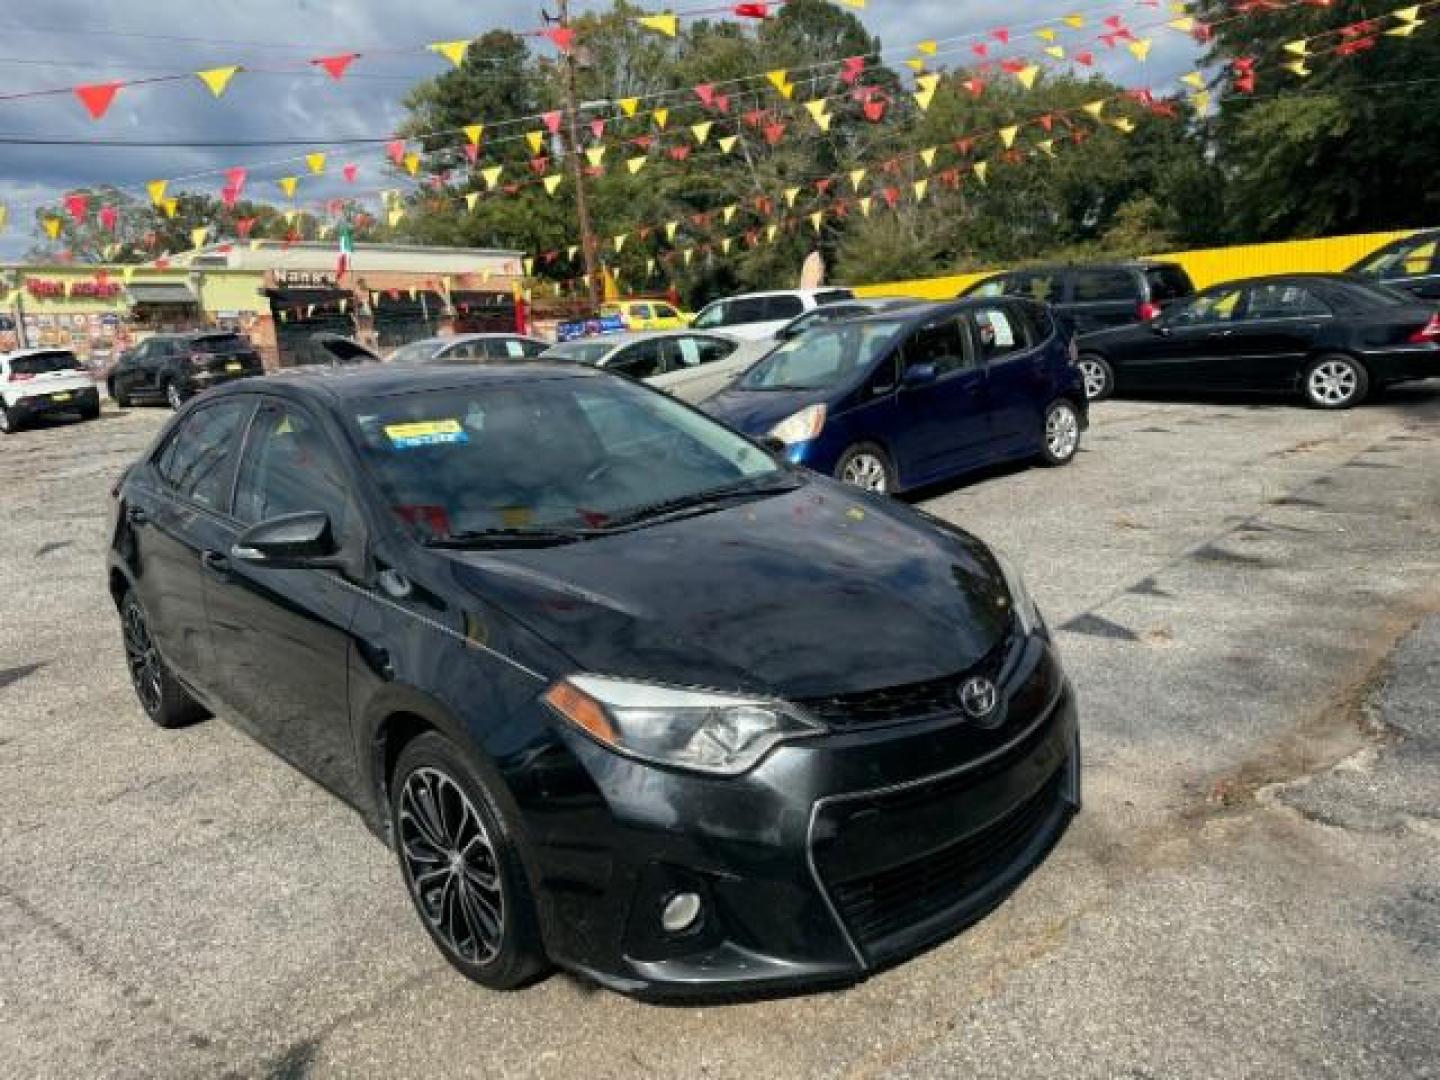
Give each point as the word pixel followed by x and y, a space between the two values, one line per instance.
pixel 799 594
pixel 756 412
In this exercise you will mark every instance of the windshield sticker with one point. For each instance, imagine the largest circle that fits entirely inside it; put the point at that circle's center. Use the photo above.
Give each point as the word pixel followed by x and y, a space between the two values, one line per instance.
pixel 425 433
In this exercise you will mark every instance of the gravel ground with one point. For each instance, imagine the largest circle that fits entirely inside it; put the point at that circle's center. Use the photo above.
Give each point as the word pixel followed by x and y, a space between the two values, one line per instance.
pixel 1240 589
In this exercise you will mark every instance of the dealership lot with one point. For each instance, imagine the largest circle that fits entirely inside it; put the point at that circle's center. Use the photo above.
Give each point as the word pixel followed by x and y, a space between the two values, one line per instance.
pixel 1240 589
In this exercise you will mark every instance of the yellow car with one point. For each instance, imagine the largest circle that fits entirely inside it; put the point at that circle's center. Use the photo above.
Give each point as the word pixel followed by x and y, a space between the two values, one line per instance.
pixel 647 314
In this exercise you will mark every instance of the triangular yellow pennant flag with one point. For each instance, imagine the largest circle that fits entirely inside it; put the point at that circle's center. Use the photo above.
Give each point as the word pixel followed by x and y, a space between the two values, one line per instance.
pixel 619 242
pixel 156 188
pixel 982 168
pixel 856 177
pixel 1057 51
pixel 454 51
pixel 1075 22
pixel 1027 75
pixel 52 227
pixel 728 214
pixel 727 143
pixel 288 184
pixel 1195 79
pixel 1408 14
pixel 1140 48
pixel 923 99
pixel 412 163
pixel 701 131
pixel 572 251
pixel 197 236
pixel 666 24
pixel 779 78
pixel 916 63
pixel 1297 68
pixel 865 205
pixel 553 182
pixel 1201 101
pixel 629 105
pixel 395 215
pixel 817 219
pixel 922 187
pixel 492 176
pixel 928 82
pixel 726 244
pixel 671 228
pixel 217 79
pixel 1095 108
pixel 595 155
pixel 315 163
pixel 471 198
pixel 1185 24
pixel 816 109
pixel 649 267
pixel 688 254
pixel 1008 134
pixel 928 156
pixel 635 164
pixel 536 141
pixel 171 206
pixel 1047 147
pixel 791 194
pixel 929 48
pixel 1406 30
pixel 528 265
pixel 772 232
pixel 473 133
pixel 1123 124
pixel 1047 33
pixel 662 117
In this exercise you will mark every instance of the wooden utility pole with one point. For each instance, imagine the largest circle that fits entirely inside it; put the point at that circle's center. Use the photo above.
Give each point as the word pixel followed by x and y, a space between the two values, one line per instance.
pixel 588 243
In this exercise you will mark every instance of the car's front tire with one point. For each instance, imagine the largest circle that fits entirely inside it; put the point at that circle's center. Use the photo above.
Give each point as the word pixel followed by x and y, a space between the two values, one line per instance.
pixel 462 866
pixel 164 700
pixel 867 466
pixel 1098 375
pixel 173 396
pixel 1335 381
pixel 1062 433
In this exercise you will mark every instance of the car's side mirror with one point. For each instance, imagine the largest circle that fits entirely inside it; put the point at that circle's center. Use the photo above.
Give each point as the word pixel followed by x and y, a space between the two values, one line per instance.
pixel 918 375
pixel 293 542
pixel 783 334
pixel 778 447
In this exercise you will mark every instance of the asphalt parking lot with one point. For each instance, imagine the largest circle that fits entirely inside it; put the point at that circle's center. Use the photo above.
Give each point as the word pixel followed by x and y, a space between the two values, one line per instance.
pixel 1245 593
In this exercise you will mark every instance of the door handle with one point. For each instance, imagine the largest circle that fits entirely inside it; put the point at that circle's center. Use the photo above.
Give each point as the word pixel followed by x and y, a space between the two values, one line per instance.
pixel 216 563
pixel 1221 333
pixel 136 516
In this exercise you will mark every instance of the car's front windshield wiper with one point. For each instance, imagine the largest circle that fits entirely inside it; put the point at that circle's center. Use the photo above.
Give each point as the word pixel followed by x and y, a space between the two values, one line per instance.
pixel 704 501
pixel 487 537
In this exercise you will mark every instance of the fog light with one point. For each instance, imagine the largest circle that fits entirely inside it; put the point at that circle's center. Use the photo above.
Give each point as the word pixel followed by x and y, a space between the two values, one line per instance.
pixel 681 912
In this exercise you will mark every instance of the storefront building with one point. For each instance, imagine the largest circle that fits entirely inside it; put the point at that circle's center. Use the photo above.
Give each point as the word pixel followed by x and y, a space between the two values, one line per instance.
pixel 279 294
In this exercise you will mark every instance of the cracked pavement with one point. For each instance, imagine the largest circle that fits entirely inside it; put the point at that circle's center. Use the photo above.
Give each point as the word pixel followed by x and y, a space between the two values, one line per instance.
pixel 1245 594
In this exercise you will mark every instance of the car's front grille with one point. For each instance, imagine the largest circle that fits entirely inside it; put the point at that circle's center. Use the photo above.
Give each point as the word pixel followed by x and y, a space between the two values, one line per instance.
pixel 876 906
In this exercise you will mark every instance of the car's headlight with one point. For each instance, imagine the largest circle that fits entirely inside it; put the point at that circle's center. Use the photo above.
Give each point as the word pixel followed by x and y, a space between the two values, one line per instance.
pixel 802 427
pixel 1026 613
pixel 689 729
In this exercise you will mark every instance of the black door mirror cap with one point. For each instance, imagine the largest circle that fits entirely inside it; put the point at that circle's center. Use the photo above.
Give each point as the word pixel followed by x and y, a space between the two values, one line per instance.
pixel 290 542
pixel 778 447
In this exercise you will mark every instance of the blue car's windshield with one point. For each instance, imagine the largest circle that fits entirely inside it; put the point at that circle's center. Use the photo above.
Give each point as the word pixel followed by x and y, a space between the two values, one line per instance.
pixel 823 357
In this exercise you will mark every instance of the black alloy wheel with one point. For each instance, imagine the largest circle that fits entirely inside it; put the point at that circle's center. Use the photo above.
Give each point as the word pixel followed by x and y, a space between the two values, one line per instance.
pixel 462 867
pixel 162 697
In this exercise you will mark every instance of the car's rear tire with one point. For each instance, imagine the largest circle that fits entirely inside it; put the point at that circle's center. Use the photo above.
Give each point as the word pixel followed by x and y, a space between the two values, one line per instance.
pixel 1062 433
pixel 461 864
pixel 90 412
pixel 1335 381
pixel 164 700
pixel 867 466
pixel 1098 375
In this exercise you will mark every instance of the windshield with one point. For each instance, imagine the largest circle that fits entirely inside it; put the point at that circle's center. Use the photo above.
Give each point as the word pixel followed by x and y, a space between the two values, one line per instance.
pixel 825 356
pixel 581 352
pixel 545 454
pixel 41 363
pixel 417 352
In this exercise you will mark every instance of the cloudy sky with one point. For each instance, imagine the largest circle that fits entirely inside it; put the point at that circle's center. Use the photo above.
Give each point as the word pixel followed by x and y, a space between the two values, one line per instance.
pixel 59 43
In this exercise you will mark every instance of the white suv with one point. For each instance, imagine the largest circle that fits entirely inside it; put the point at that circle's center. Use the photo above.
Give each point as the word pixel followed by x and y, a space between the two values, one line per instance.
pixel 38 382
pixel 757 316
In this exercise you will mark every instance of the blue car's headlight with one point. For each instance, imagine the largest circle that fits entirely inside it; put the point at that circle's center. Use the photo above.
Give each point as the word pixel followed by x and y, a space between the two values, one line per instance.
pixel 802 426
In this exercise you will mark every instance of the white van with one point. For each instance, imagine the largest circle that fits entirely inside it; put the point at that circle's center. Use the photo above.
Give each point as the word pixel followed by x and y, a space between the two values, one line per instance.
pixel 756 316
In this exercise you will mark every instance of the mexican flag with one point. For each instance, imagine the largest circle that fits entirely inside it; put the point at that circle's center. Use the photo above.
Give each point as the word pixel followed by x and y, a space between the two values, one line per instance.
pixel 347 251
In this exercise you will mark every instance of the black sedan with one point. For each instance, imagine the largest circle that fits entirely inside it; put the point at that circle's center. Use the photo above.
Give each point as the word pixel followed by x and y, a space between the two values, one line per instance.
pixel 624 692
pixel 1330 337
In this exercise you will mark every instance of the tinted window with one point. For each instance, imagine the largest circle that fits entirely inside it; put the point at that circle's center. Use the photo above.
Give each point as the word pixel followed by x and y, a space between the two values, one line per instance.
pixel 198 463
pixel 289 468
pixel 640 361
pixel 1038 322
pixel 219 343
pixel 640 311
pixel 1222 305
pixel 713 316
pixel 581 352
pixel 41 363
pixel 1167 283
pixel 693 351
pixel 417 352
pixel 553 452
pixel 1096 286
pixel 1041 286
pixel 501 349
pixel 992 287
pixel 942 343
pixel 1282 301
pixel 665 311
pixel 826 356
pixel 1408 258
pixel 832 296
pixel 781 307
pixel 999 332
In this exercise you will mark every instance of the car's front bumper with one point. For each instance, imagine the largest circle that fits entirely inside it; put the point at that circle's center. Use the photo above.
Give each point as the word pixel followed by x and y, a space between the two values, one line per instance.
pixel 834 857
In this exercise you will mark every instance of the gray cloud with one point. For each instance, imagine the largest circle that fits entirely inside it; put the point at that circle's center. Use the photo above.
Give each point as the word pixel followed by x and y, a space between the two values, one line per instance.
pixel 60 43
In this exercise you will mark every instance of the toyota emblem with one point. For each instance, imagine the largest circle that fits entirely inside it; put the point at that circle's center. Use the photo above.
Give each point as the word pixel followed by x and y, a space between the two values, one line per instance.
pixel 978 697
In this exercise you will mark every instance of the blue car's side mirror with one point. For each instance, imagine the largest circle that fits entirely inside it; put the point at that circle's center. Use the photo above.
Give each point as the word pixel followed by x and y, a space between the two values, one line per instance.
pixel 917 375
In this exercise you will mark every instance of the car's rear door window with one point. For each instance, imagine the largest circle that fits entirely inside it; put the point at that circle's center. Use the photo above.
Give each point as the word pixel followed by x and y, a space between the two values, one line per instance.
pixel 999 332
pixel 643 360
pixel 777 308
pixel 830 296
pixel 1167 283
pixel 197 464
pixel 1283 301
pixel 44 363
pixel 1040 286
pixel 1103 286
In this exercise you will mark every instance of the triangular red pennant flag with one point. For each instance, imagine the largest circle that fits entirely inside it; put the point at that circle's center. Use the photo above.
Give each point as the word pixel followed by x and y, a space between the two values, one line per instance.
pixel 350 171
pixel 1086 58
pixel 597 128
pixel 229 195
pixel 975 86
pixel 892 196
pixel 875 111
pixel 774 133
pixel 751 11
pixel 680 153
pixel 562 37
pixel 1012 66
pixel 965 145
pixel 722 103
pixel 243 226
pixel 755 117
pixel 642 141
pixel 1114 21
pixel 823 186
pixel 552 121
pixel 98 97
pixel 236 178
pixel 1047 122
pixel 109 217
pixel 395 151
pixel 335 66
pixel 980 49
pixel 852 68
pixel 540 165
pixel 1001 35
pixel 706 93
pixel 472 153
pixel 77 206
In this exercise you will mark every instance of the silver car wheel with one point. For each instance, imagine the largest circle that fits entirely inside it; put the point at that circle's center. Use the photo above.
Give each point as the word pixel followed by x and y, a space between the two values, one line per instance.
pixel 1094 376
pixel 1062 432
pixel 1334 382
pixel 172 396
pixel 866 471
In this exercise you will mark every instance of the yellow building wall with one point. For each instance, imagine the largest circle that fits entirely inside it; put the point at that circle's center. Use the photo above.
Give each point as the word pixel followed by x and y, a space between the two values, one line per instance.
pixel 1206 267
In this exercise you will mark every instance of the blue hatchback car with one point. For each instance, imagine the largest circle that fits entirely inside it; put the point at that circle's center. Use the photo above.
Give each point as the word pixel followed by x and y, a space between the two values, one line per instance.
pixel 896 401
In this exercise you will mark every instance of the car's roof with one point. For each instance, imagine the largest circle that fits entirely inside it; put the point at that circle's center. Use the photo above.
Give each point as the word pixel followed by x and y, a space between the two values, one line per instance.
pixel 1119 264
pixel 784 292
pixel 38 350
pixel 1298 276
pixel 630 337
pixel 383 380
pixel 486 337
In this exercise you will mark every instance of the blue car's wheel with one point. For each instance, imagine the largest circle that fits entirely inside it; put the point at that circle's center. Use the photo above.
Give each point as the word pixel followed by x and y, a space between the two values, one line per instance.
pixel 867 466
pixel 1062 433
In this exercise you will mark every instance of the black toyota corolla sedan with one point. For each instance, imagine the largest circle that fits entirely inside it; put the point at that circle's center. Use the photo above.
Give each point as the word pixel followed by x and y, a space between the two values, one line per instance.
pixel 624 692
pixel 1331 338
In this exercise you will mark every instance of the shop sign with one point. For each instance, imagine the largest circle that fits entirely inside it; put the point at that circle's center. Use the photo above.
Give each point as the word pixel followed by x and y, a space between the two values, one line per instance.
pixel 44 289
pixel 305 279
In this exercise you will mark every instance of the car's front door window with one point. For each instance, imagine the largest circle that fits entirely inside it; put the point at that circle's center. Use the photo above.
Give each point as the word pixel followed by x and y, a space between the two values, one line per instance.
pixel 640 361
pixel 198 463
pixel 289 468
pixel 1221 306
pixel 943 345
